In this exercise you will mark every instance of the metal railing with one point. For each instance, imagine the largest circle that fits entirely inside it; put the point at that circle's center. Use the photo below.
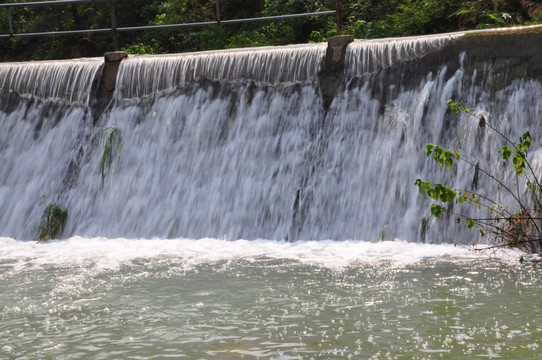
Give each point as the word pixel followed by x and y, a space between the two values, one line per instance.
pixel 114 29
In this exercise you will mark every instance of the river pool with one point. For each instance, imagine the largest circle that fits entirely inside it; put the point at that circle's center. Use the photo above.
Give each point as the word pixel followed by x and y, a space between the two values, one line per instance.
pixel 217 299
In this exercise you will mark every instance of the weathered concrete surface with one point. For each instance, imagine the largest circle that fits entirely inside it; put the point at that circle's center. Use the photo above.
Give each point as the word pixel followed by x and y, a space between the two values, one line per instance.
pixel 506 55
pixel 513 52
pixel 114 56
pixel 332 75
pixel 108 81
pixel 336 51
pixel 111 67
pixel 516 50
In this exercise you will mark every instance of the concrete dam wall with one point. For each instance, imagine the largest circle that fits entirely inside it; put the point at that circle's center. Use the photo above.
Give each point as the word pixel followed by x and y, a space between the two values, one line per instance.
pixel 299 142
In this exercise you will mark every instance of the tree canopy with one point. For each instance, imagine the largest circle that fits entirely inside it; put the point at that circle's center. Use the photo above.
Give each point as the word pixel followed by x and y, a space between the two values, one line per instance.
pixel 361 18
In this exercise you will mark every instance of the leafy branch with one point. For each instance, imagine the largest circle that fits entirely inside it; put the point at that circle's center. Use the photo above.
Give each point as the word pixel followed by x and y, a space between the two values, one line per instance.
pixel 515 227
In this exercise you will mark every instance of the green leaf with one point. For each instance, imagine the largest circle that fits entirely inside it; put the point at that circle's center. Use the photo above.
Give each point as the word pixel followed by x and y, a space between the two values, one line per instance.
pixel 506 152
pixel 526 140
pixel 457 155
pixel 443 193
pixel 470 223
pixel 455 107
pixel 442 156
pixel 437 155
pixel 519 162
pixel 437 210
pixel 496 19
pixel 429 149
pixel 462 12
pixel 423 186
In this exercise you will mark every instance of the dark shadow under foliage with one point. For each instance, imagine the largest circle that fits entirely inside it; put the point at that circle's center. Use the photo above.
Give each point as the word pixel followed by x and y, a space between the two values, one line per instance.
pixel 364 19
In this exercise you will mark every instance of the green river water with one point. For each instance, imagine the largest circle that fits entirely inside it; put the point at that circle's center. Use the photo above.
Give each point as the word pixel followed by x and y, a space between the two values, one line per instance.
pixel 212 299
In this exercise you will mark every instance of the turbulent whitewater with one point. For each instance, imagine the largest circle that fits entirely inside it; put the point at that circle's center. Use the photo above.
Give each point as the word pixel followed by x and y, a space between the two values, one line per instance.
pixel 240 145
pixel 175 250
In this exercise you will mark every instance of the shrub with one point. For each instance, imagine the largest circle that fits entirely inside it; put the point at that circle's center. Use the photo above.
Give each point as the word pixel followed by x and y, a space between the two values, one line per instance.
pixel 516 226
pixel 52 222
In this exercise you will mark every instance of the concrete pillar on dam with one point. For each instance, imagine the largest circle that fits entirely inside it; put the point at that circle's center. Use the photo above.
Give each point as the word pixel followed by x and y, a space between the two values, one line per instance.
pixel 111 67
pixel 108 81
pixel 333 69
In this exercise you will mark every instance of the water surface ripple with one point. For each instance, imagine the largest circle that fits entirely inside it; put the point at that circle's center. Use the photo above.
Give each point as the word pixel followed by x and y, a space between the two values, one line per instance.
pixel 214 299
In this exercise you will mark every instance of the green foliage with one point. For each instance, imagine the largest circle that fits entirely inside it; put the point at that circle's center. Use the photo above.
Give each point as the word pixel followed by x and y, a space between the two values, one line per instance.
pixel 442 156
pixel 52 221
pixel 316 37
pixel 363 19
pixel 437 210
pixel 456 108
pixel 245 39
pixel 142 49
pixel 517 227
pixel 111 140
pixel 481 14
pixel 412 17
pixel 371 29
pixel 437 192
pixel 519 153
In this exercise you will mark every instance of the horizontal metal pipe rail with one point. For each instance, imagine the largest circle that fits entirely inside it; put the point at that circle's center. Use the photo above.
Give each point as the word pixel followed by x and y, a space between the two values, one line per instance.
pixel 234 21
pixel 46 3
pixel 151 27
pixel 114 29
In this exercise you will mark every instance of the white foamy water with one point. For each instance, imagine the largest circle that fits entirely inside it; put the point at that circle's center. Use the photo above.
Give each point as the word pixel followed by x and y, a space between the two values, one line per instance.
pixel 141 77
pixel 218 299
pixel 366 57
pixel 67 81
pixel 239 144
pixel 244 153
pixel 103 253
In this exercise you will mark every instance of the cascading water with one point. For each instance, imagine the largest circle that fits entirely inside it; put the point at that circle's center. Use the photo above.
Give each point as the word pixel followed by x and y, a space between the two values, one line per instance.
pixel 370 57
pixel 261 143
pixel 68 81
pixel 154 76
pixel 238 144
pixel 44 119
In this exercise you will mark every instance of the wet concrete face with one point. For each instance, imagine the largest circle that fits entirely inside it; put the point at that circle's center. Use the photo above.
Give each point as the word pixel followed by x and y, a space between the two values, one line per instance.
pixel 108 81
pixel 332 75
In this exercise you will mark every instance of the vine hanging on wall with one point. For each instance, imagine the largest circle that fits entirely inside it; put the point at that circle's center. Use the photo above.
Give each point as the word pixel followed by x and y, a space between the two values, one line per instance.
pixel 111 140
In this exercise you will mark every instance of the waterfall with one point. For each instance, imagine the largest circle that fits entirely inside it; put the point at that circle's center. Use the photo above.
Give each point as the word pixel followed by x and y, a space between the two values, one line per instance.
pixel 370 57
pixel 152 76
pixel 68 81
pixel 239 144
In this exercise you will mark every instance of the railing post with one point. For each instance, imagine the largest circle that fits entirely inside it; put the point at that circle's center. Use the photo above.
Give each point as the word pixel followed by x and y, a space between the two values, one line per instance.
pixel 115 30
pixel 339 17
pixel 9 22
pixel 218 12
pixel 114 26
